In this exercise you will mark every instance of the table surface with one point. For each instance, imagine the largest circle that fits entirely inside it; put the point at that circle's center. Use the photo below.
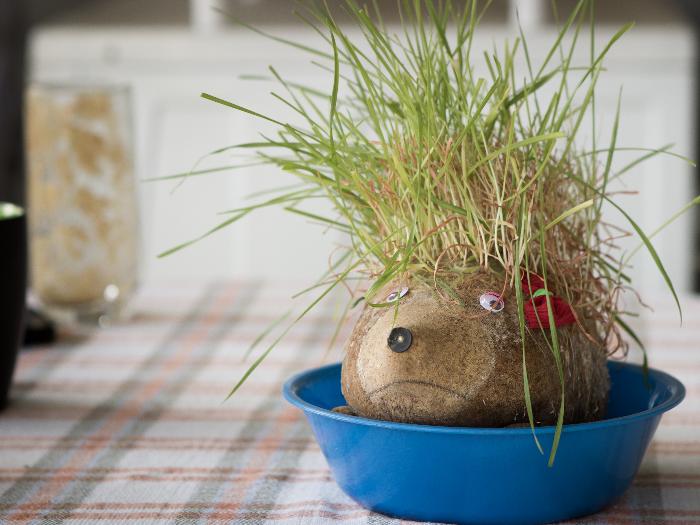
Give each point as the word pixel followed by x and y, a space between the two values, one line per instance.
pixel 128 425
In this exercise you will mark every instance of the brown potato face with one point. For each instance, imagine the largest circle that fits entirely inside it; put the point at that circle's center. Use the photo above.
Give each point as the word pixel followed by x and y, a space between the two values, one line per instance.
pixel 463 365
pixel 441 368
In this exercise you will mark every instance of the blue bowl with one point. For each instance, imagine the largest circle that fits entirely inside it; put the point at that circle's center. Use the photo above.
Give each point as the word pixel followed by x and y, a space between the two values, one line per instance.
pixel 486 475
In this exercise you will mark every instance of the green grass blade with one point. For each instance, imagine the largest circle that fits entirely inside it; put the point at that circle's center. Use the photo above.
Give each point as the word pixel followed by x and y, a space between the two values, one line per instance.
pixel 569 213
pixel 206 234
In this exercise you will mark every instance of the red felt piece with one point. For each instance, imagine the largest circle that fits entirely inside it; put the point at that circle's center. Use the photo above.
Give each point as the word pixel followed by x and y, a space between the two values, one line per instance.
pixel 536 314
pixel 536 283
pixel 535 309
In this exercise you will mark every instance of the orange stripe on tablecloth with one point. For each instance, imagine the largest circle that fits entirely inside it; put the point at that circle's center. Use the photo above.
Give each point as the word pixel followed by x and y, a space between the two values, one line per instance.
pixel 208 320
pixel 165 473
pixel 217 516
pixel 597 519
pixel 310 504
pixel 191 479
pixel 664 447
pixel 289 478
pixel 316 478
pixel 128 438
pixel 228 415
pixel 230 514
pixel 29 359
pixel 116 505
pixel 308 507
pixel 84 455
pixel 270 442
pixel 165 443
pixel 172 470
pixel 167 439
pixel 253 384
pixel 203 446
pixel 106 338
pixel 99 361
pixel 669 475
pixel 624 515
pixel 681 417
pixel 644 511
pixel 234 337
pixel 29 363
pixel 251 516
pixel 679 485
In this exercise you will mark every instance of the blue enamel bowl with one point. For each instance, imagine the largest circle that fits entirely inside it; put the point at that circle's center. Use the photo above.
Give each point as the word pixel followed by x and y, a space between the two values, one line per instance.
pixel 486 475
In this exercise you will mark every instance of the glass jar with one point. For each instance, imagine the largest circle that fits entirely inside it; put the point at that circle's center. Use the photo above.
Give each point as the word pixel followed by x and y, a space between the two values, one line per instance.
pixel 82 204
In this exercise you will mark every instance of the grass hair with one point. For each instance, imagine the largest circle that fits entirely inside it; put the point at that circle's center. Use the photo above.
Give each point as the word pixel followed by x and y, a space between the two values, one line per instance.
pixel 434 171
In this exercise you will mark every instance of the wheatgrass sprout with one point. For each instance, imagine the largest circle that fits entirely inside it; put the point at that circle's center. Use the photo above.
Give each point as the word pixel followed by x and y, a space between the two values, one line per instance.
pixel 434 171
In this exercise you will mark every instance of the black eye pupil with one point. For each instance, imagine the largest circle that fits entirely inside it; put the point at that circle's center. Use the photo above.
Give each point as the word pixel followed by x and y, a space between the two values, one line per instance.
pixel 400 339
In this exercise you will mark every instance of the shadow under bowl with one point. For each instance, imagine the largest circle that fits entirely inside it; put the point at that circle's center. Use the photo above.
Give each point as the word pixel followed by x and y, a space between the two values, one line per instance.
pixel 486 475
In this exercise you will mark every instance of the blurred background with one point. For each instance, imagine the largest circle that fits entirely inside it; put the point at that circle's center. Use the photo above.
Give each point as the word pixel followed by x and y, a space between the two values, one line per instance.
pixel 165 52
pixel 127 421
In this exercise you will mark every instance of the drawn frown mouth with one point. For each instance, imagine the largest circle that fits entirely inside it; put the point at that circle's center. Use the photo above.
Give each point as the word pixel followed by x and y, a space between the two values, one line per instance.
pixel 417 382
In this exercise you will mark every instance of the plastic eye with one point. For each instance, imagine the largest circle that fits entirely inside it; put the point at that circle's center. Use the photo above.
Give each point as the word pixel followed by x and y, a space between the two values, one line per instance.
pixel 491 301
pixel 396 295
pixel 400 339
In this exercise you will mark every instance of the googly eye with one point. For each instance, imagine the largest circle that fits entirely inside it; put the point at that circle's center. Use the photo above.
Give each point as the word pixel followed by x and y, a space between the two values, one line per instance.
pixel 491 301
pixel 396 295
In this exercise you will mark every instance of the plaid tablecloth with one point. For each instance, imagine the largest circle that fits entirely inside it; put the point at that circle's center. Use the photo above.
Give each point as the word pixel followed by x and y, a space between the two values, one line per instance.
pixel 128 425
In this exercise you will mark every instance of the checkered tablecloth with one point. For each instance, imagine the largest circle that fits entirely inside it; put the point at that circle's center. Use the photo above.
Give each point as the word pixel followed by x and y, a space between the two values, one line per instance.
pixel 127 425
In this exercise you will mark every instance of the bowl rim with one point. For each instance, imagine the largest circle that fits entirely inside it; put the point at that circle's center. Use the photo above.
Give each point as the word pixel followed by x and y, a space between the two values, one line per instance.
pixel 674 385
